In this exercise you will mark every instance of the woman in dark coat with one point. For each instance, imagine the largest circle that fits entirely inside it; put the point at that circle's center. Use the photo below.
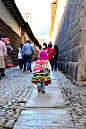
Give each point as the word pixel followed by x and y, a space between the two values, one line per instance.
pixel 54 54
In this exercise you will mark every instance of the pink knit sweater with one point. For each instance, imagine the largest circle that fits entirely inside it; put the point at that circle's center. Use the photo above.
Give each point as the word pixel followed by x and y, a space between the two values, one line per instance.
pixel 3 50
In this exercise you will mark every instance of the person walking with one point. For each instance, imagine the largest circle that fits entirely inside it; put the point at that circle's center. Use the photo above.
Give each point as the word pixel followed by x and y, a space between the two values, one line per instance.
pixel 44 46
pixel 54 55
pixel 41 75
pixel 3 57
pixel 28 51
pixel 20 58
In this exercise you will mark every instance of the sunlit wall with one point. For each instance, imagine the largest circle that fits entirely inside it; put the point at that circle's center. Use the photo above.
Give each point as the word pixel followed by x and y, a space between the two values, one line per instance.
pixel 57 13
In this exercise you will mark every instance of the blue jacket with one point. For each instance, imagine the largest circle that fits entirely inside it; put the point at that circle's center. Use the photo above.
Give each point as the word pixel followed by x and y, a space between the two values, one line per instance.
pixel 27 49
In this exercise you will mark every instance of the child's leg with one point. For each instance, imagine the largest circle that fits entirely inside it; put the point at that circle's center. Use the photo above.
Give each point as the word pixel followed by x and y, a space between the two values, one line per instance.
pixel 39 86
pixel 43 87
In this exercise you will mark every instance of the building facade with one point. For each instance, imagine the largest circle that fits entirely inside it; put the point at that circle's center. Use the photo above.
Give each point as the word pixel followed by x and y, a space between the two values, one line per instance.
pixel 13 26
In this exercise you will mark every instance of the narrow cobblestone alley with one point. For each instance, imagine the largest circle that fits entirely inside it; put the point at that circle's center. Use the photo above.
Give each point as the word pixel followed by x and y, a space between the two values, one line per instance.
pixel 63 105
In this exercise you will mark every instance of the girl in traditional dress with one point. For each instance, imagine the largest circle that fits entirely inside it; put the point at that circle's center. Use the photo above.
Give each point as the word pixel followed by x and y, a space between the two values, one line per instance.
pixel 41 75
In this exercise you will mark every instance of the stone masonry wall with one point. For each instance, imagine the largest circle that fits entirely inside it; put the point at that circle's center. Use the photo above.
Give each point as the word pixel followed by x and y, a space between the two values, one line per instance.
pixel 71 39
pixel 7 32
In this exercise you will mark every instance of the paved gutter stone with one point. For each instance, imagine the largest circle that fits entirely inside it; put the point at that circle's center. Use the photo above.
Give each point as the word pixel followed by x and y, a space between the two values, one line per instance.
pixel 44 117
pixel 52 98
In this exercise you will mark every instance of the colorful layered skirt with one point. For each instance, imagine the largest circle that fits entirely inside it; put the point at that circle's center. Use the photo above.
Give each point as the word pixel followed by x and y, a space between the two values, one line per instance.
pixel 41 78
pixel 8 62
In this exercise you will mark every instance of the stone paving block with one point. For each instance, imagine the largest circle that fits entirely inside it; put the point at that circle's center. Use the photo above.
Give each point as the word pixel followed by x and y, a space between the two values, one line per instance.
pixel 44 118
pixel 41 127
pixel 47 111
pixel 44 100
pixel 53 82
pixel 51 86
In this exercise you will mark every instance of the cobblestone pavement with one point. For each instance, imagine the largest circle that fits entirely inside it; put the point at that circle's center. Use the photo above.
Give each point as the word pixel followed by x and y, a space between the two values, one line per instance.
pixel 16 91
pixel 75 98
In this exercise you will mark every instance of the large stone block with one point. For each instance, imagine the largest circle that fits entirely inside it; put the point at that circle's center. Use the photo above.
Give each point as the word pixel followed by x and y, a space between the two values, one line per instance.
pixel 73 42
pixel 67 46
pixel 78 27
pixel 84 13
pixel 81 74
pixel 70 55
pixel 75 54
pixel 82 54
pixel 77 39
pixel 74 33
pixel 83 38
pixel 61 65
pixel 84 24
pixel 71 69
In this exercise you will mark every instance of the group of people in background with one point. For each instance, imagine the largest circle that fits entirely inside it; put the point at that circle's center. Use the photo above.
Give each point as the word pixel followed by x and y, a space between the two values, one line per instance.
pixel 25 53
pixel 47 59
pixel 52 54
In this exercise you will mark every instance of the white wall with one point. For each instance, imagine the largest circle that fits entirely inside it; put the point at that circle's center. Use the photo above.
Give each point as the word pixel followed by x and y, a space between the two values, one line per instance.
pixel 6 16
pixel 27 37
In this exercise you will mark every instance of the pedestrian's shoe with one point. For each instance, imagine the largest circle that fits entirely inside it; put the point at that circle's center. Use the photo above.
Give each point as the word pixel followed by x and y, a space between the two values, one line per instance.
pixel 23 69
pixel 39 88
pixel 30 69
pixel 2 74
pixel 43 91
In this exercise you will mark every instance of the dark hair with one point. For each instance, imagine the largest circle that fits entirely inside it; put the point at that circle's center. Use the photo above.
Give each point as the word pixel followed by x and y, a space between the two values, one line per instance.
pixel 57 50
pixel 28 41
pixel 45 44
pixel 0 37
pixel 50 44
pixel 21 45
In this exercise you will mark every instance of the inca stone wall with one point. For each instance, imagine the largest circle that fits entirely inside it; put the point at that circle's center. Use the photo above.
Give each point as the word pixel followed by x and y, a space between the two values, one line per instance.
pixel 71 39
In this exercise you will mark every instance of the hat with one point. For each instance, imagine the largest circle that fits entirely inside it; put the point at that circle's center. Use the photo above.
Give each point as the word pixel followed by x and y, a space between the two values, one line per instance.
pixel 43 55
pixel 50 44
